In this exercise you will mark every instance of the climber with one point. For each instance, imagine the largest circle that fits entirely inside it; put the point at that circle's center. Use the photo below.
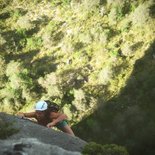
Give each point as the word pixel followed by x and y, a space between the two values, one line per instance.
pixel 47 114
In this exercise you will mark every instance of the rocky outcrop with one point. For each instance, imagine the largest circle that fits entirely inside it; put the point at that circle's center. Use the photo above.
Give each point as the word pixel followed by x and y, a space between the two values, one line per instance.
pixel 31 146
pixel 35 138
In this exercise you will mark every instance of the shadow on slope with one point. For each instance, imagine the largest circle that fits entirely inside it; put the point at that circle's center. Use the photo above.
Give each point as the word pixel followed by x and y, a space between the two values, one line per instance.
pixel 127 119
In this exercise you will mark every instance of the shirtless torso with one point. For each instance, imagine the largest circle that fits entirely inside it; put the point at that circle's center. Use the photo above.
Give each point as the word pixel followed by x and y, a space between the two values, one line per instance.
pixel 50 120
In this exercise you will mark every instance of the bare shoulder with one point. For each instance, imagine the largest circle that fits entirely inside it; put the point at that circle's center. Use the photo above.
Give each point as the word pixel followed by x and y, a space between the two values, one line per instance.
pixel 55 115
pixel 30 114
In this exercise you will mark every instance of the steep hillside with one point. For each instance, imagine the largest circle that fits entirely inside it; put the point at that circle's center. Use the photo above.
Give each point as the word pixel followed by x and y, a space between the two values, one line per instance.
pixel 129 118
pixel 95 58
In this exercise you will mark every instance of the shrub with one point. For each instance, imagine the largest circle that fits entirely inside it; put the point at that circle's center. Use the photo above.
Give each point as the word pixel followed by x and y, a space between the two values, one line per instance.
pixel 105 75
pixel 93 148
pixel 34 43
pixel 60 2
pixel 6 129
pixel 142 13
pixel 113 149
pixel 87 4
pixel 18 76
pixel 2 40
pixel 2 71
pixel 24 22
pixel 20 38
pixel 18 86
pixel 80 100
pixel 51 85
pixel 4 3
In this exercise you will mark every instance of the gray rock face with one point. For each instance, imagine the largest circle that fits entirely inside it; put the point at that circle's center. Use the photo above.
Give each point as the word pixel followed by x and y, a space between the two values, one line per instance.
pixel 43 135
pixel 31 146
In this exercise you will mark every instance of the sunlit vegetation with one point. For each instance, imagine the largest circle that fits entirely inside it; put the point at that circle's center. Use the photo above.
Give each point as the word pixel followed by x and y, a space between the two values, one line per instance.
pixel 95 58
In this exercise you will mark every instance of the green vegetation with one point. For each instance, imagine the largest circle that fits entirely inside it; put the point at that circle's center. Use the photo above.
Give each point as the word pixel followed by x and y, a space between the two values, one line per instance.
pixel 94 58
pixel 108 149
pixel 6 129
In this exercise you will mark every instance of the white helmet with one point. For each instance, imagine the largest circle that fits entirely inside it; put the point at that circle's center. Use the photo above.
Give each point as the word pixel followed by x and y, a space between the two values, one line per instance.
pixel 41 106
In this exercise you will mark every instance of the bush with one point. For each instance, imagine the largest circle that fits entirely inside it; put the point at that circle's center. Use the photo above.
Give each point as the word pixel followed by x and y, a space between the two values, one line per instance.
pixel 34 43
pixel 80 100
pixel 2 40
pixel 142 14
pixel 114 149
pixel 93 148
pixel 2 71
pixel 17 87
pixel 51 85
pixel 4 3
pixel 6 129
pixel 24 22
pixel 59 2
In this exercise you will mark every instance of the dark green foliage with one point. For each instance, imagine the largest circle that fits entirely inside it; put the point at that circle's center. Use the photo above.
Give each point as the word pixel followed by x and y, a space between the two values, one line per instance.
pixel 113 149
pixel 20 38
pixel 15 40
pixel 57 37
pixel 152 11
pixel 40 66
pixel 59 2
pixel 66 2
pixel 4 15
pixel 78 46
pixel 93 148
pixel 2 71
pixel 6 129
pixel 18 12
pixel 4 3
pixel 103 2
